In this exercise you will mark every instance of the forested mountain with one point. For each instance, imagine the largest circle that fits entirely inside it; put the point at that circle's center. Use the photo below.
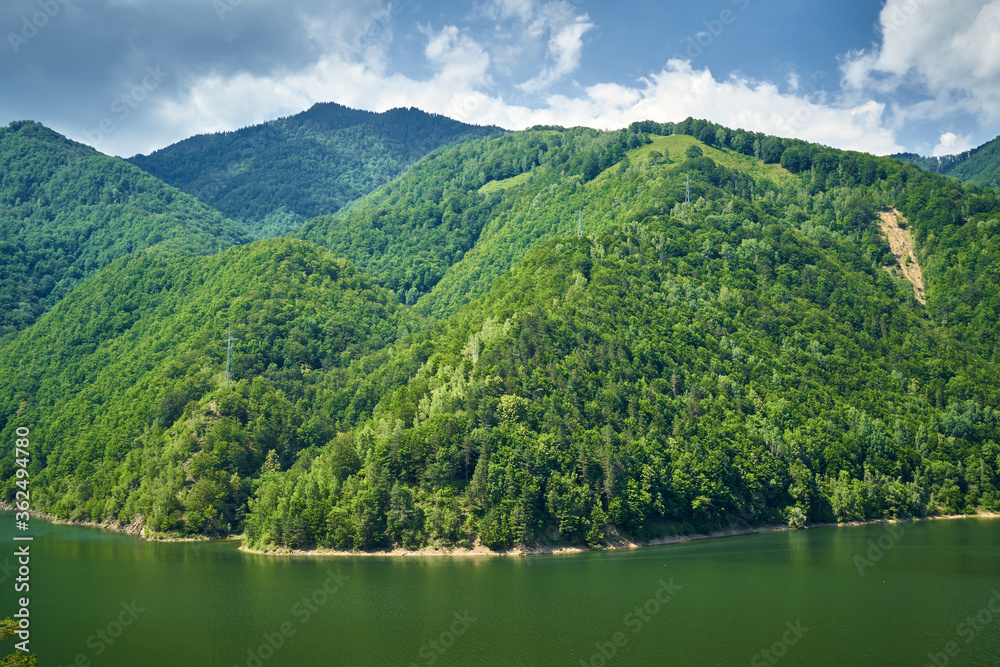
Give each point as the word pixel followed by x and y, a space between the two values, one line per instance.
pixel 123 383
pixel 716 340
pixel 442 232
pixel 66 211
pixel 275 176
pixel 980 165
pixel 464 200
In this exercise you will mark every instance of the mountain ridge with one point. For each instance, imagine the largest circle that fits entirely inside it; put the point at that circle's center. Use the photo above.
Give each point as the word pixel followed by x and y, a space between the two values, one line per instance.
pixel 274 176
pixel 66 211
pixel 980 165
pixel 720 344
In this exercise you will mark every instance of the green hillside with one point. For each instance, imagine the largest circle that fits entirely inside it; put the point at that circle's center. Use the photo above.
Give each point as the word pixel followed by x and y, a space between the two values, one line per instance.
pixel 442 232
pixel 980 166
pixel 550 201
pixel 275 176
pixel 732 361
pixel 66 211
pixel 722 345
pixel 470 199
pixel 123 383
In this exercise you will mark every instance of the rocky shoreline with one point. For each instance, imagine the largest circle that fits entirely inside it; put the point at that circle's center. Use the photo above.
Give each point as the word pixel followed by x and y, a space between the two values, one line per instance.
pixel 137 529
pixel 480 550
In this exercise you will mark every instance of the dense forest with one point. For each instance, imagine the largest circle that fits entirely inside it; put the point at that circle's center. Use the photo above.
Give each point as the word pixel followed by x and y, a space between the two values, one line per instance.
pixel 980 165
pixel 132 351
pixel 275 176
pixel 67 211
pixel 411 233
pixel 441 233
pixel 557 335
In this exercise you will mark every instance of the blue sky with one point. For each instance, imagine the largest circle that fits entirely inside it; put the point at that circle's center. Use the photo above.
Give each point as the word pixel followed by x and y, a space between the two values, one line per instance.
pixel 130 76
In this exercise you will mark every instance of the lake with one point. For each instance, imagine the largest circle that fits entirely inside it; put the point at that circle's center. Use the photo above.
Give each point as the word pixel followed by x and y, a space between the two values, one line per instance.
pixel 900 594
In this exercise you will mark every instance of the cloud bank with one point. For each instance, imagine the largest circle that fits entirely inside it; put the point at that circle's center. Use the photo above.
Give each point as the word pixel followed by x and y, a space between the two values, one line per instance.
pixel 948 50
pixel 231 63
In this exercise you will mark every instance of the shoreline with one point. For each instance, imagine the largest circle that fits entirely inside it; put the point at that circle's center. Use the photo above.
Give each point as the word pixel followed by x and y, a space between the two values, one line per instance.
pixel 480 551
pixel 135 529
pixel 521 550
pixel 138 529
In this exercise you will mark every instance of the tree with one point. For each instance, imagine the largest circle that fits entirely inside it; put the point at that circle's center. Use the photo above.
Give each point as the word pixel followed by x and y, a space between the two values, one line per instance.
pixel 859 212
pixel 794 159
pixel 721 137
pixel 771 150
pixel 591 167
pixel 8 627
pixel 707 135
pixel 795 517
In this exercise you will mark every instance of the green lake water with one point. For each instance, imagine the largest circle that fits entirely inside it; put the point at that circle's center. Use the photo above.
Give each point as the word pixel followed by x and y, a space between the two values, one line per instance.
pixel 910 594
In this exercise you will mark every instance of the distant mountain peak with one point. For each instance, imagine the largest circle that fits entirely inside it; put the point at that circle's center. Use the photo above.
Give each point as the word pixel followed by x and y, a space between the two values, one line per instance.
pixel 275 176
pixel 67 210
pixel 980 165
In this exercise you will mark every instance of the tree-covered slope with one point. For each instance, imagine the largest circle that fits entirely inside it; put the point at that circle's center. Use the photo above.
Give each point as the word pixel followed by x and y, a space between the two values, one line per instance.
pixel 611 184
pixel 123 383
pixel 66 211
pixel 275 176
pixel 721 345
pixel 636 384
pixel 442 232
pixel 411 232
pixel 980 165
pixel 736 360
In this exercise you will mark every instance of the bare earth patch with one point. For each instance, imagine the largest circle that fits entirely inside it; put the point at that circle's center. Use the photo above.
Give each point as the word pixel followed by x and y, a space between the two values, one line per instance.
pixel 902 246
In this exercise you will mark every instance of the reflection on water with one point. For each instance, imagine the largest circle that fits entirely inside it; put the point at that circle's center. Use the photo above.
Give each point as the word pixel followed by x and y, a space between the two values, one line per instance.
pixel 730 601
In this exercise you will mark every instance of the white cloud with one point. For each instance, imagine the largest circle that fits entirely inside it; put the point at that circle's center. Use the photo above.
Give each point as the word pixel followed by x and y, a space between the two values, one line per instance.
pixel 679 91
pixel 456 90
pixel 555 22
pixel 951 144
pixel 793 81
pixel 521 9
pixel 565 52
pixel 949 50
pixel 461 84
pixel 457 58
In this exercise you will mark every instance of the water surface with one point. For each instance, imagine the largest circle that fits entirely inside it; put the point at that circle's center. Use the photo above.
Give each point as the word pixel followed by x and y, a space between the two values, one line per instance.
pixel 826 596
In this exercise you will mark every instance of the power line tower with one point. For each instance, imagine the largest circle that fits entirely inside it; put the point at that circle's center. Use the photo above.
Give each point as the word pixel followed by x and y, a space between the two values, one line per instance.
pixel 687 189
pixel 229 356
pixel 579 225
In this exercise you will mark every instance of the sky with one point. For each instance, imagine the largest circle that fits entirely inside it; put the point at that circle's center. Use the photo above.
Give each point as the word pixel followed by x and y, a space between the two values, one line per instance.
pixel 132 76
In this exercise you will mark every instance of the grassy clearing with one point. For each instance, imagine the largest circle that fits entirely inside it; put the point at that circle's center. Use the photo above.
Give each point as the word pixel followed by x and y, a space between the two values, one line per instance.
pixel 494 186
pixel 676 145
